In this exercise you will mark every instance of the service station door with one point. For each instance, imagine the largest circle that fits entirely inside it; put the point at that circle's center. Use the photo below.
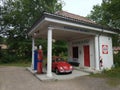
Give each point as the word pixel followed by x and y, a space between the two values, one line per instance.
pixel 86 56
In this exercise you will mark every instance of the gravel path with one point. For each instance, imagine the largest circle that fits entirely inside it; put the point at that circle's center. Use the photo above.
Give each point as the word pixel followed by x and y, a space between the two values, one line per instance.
pixel 18 78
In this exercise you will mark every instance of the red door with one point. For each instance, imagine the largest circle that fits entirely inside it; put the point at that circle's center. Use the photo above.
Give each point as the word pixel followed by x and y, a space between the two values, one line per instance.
pixel 86 56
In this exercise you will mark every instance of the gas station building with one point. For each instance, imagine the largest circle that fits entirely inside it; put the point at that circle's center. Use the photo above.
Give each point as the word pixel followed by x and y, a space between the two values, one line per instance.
pixel 88 42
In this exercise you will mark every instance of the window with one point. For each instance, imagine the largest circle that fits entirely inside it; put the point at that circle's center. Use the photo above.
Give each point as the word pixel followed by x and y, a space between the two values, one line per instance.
pixel 75 52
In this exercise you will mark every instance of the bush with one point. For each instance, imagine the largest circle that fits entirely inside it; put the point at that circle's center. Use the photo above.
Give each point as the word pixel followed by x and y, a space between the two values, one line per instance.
pixel 117 59
pixel 7 57
pixel 10 57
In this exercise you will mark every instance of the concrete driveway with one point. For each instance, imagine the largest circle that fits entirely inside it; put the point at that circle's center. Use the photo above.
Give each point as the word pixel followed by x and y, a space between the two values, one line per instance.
pixel 18 78
pixel 43 77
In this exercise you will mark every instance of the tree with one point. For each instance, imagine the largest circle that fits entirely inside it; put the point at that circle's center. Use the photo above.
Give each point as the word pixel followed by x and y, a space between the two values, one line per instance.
pixel 112 6
pixel 97 15
pixel 108 14
pixel 1 39
pixel 59 47
pixel 18 16
pixel 1 20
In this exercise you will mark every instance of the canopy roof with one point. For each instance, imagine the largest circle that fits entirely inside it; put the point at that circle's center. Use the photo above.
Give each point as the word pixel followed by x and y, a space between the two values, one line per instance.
pixel 67 26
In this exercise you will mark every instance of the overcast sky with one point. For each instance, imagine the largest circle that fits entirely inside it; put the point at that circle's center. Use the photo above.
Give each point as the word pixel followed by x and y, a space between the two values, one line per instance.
pixel 80 7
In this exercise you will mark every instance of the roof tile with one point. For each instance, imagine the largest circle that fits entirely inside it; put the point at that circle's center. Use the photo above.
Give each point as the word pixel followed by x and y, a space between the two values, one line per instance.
pixel 73 16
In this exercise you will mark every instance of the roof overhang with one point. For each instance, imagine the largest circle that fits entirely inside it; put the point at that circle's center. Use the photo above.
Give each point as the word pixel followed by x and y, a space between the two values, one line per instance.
pixel 65 27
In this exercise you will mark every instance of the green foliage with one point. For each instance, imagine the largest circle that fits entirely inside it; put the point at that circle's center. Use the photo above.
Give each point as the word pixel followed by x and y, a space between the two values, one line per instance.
pixel 108 14
pixel 1 39
pixel 42 42
pixel 59 48
pixel 116 40
pixel 97 15
pixel 17 17
pixel 117 60
pixel 113 76
pixel 8 58
pixel 1 42
pixel 18 64
pixel 21 14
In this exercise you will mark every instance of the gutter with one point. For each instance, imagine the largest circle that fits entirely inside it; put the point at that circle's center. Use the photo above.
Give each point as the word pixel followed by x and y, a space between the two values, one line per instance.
pixel 76 22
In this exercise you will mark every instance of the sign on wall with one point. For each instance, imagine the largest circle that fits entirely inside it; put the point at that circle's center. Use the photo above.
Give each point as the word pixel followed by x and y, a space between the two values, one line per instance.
pixel 105 49
pixel 81 42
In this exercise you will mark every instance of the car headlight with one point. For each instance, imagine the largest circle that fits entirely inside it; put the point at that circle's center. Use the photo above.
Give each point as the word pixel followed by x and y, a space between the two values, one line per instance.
pixel 71 67
pixel 61 68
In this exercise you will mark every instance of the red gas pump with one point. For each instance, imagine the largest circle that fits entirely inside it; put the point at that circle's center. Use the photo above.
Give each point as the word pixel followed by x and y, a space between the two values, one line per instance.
pixel 40 59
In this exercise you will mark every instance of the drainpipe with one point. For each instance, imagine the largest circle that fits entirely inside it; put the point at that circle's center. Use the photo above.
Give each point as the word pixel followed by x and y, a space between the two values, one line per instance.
pixel 99 46
pixel 99 50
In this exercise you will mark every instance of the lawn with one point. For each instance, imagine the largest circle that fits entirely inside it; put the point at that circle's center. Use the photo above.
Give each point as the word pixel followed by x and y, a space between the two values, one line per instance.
pixel 112 76
pixel 19 64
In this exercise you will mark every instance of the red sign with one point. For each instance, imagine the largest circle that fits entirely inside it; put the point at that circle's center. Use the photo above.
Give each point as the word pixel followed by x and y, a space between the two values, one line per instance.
pixel 105 49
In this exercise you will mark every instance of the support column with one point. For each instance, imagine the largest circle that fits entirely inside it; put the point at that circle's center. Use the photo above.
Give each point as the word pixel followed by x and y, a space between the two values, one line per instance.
pixel 97 52
pixel 33 44
pixel 69 52
pixel 49 53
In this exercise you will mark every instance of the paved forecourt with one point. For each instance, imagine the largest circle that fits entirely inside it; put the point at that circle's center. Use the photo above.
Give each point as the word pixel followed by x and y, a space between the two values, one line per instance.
pixel 43 77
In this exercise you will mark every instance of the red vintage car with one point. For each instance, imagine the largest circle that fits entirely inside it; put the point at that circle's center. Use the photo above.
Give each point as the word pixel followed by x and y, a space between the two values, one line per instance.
pixel 61 66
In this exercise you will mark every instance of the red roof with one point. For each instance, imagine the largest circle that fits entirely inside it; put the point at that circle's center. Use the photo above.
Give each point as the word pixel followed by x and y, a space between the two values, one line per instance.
pixel 74 16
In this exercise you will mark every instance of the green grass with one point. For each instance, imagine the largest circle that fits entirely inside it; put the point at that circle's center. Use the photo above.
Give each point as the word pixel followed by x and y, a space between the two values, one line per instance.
pixel 112 76
pixel 22 63
pixel 19 64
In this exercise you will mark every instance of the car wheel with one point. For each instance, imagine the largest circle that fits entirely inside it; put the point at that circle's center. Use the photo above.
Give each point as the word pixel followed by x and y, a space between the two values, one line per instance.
pixel 56 71
pixel 70 72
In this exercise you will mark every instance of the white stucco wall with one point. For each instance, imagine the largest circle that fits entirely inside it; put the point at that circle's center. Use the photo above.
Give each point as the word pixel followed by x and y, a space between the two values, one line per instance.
pixel 92 53
pixel 107 58
pixel 95 46
pixel 80 43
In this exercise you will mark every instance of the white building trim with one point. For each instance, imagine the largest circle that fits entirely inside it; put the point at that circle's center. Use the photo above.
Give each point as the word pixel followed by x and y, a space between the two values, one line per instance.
pixel 97 52
pixel 49 53
pixel 33 44
pixel 46 19
pixel 78 25
pixel 34 29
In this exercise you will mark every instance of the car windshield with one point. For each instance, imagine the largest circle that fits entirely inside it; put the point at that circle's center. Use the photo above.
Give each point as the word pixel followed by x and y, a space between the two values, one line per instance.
pixel 59 59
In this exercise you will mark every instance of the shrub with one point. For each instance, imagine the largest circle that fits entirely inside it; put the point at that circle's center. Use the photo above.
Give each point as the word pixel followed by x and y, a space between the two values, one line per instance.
pixel 117 59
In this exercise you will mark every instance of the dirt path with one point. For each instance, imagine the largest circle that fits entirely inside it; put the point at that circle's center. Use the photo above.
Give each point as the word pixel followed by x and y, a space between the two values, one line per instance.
pixel 18 78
